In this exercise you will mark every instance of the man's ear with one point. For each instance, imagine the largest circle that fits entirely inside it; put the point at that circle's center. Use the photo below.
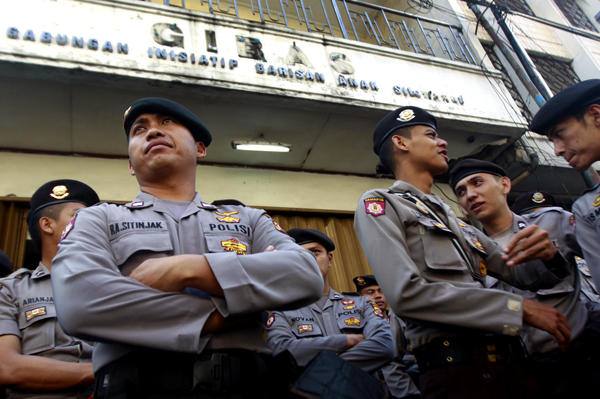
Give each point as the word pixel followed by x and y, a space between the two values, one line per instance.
pixel 506 185
pixel 46 225
pixel 330 256
pixel 201 149
pixel 594 112
pixel 400 142
pixel 131 171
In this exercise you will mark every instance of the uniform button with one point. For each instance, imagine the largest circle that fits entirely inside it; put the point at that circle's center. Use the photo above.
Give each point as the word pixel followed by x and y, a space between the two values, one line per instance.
pixel 446 343
pixel 449 359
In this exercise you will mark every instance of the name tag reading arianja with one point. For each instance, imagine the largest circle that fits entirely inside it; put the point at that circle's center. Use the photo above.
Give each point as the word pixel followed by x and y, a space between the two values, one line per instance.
pixel 30 314
pixel 233 245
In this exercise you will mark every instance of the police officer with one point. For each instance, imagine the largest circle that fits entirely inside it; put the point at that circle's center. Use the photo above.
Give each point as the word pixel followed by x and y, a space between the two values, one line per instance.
pixel 171 286
pixel 432 274
pixel 571 120
pixel 399 382
pixel 37 358
pixel 541 208
pixel 482 188
pixel 348 324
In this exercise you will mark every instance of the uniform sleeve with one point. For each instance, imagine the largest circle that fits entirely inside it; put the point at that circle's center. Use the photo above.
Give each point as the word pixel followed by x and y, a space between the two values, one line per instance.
pixel 532 276
pixel 280 338
pixel 95 302
pixel 377 349
pixel 288 278
pixel 588 236
pixel 383 238
pixel 8 312
pixel 399 383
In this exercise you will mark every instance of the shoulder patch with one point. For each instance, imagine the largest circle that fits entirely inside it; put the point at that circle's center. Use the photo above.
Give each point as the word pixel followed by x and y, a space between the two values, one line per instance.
pixel 376 310
pixel 228 202
pixel 270 320
pixel 277 226
pixel 68 228
pixel 375 206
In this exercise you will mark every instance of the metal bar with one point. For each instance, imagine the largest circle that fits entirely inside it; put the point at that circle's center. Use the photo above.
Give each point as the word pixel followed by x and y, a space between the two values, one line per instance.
pixel 390 29
pixel 426 38
pixel 373 29
pixel 467 47
pixel 339 18
pixel 284 16
pixel 327 18
pixel 260 11
pixel 350 19
pixel 460 46
pixel 409 37
pixel 445 44
pixel 305 16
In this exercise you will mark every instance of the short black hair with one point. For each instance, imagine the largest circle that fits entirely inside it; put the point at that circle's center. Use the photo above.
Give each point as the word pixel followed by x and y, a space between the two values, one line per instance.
pixel 386 153
pixel 52 212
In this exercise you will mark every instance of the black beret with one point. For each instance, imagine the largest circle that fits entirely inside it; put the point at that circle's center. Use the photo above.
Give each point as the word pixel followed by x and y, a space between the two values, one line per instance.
pixel 402 117
pixel 565 103
pixel 155 105
pixel 364 281
pixel 56 192
pixel 471 166
pixel 532 200
pixel 304 236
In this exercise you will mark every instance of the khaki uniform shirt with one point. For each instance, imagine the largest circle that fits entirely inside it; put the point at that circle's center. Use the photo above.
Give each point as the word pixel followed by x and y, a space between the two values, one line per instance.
pixel 27 311
pixel 106 242
pixel 564 296
pixel 587 229
pixel 426 280
pixel 305 332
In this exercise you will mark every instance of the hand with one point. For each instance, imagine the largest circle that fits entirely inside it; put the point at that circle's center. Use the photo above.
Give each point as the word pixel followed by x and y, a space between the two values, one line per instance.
pixel 165 274
pixel 270 248
pixel 528 244
pixel 549 319
pixel 353 339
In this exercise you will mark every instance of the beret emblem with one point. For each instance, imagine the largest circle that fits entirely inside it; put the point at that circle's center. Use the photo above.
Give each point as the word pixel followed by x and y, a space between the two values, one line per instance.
pixel 59 192
pixel 126 112
pixel 406 115
pixel 361 281
pixel 538 198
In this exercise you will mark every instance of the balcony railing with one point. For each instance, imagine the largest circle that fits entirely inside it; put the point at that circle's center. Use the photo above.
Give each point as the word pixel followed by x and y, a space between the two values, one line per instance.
pixel 348 19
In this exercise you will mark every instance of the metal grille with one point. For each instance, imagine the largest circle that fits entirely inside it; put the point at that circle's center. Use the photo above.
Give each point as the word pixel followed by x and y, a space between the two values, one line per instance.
pixel 573 13
pixel 557 74
pixel 508 82
pixel 517 5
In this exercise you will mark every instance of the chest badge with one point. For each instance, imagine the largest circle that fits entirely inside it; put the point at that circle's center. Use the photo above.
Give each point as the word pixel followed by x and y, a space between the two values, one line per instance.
pixel 596 201
pixel 439 225
pixel 349 307
pixel 30 314
pixel 478 245
pixel 482 268
pixel 521 225
pixel 422 208
pixel 347 302
pixel 352 321
pixel 233 245
pixel 227 218
pixel 305 328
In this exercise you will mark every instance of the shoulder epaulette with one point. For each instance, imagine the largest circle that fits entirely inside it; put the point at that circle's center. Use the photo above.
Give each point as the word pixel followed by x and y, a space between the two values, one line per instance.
pixel 19 273
pixel 228 202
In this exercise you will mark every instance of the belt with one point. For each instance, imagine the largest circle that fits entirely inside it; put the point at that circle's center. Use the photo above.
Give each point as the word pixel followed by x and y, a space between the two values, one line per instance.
pixel 469 349
pixel 226 371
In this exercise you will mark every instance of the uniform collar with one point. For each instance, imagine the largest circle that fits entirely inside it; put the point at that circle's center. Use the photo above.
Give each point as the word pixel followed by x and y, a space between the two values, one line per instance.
pixel 145 200
pixel 401 187
pixel 591 189
pixel 40 271
pixel 519 223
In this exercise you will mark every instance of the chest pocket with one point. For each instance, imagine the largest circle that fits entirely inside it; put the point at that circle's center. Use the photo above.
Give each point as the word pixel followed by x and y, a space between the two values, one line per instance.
pixel 37 324
pixel 307 330
pixel 152 242
pixel 352 321
pixel 440 254
pixel 227 237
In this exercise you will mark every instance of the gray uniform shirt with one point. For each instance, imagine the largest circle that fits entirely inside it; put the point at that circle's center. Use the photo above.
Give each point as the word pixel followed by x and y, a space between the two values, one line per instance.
pixel 565 295
pixel 27 311
pixel 106 242
pixel 424 277
pixel 306 331
pixel 587 229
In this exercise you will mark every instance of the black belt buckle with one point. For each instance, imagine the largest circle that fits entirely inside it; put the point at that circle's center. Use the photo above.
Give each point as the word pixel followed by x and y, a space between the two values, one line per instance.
pixel 212 373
